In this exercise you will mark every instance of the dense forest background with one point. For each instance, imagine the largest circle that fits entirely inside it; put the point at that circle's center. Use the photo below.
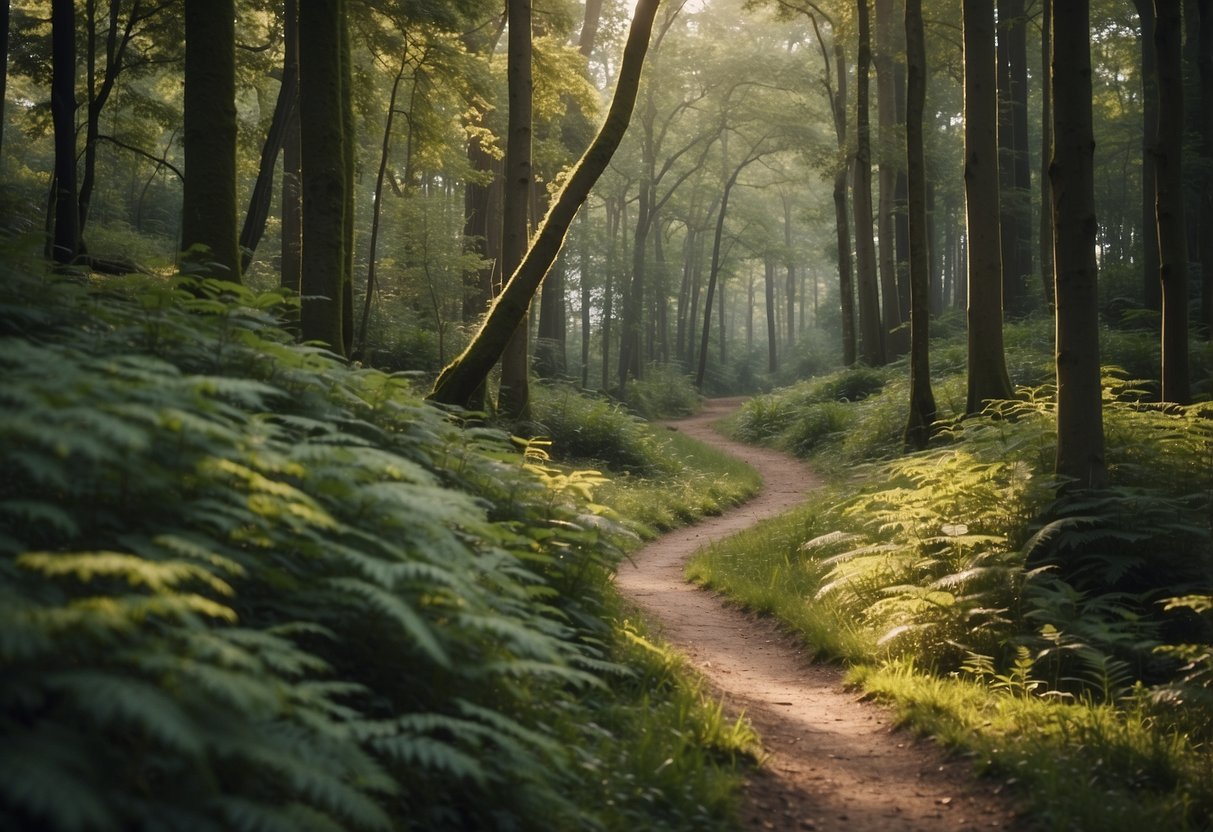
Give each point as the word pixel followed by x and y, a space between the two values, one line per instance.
pixel 763 101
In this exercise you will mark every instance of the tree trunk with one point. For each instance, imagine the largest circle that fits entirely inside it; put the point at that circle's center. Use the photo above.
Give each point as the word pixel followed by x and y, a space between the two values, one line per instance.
pixel 1205 123
pixel 459 380
pixel 292 206
pixel 790 282
pixel 586 300
pixel 1172 229
pixel 321 140
pixel 64 207
pixel 1046 148
pixel 514 394
pixel 1014 178
pixel 348 147
pixel 284 112
pixel 922 399
pixel 772 329
pixel 1205 127
pixel 987 366
pixel 4 26
pixel 377 205
pixel 208 212
pixel 889 73
pixel 1152 289
pixel 871 330
pixel 633 297
pixel 1080 442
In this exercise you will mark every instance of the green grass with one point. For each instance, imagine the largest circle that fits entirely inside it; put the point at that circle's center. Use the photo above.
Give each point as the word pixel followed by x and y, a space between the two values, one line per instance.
pixel 701 481
pixel 1063 642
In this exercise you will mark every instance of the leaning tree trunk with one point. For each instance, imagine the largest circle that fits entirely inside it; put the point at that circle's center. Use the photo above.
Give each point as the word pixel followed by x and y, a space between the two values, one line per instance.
pixel 280 124
pixel 871 332
pixel 1169 200
pixel 1080 440
pixel 922 399
pixel 987 366
pixel 208 211
pixel 65 239
pixel 322 139
pixel 460 379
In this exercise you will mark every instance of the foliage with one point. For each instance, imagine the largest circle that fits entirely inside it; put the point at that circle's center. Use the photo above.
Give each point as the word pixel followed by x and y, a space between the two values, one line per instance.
pixel 245 587
pixel 664 393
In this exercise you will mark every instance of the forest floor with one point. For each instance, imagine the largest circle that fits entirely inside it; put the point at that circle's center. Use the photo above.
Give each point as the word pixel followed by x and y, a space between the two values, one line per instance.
pixel 833 761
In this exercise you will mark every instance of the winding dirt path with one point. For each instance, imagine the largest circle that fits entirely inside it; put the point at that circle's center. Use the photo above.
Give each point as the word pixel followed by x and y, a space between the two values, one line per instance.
pixel 835 763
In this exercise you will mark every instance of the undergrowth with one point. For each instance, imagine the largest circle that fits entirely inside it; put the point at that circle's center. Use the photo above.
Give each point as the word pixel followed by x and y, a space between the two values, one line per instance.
pixel 1062 637
pixel 243 586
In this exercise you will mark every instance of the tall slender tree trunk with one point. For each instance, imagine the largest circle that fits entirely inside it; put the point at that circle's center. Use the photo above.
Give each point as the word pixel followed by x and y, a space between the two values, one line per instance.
pixel 922 399
pixel 322 139
pixel 514 395
pixel 889 141
pixel 1046 148
pixel 1205 123
pixel 871 330
pixel 772 329
pixel 208 214
pixel 348 147
pixel 1080 438
pixel 1152 289
pixel 790 282
pixel 65 241
pixel 4 26
pixel 586 298
pixel 1014 177
pixel 377 206
pixel 1172 229
pixel 987 365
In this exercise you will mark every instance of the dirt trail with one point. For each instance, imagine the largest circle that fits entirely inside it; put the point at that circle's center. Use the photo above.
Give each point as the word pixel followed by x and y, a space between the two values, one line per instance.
pixel 834 763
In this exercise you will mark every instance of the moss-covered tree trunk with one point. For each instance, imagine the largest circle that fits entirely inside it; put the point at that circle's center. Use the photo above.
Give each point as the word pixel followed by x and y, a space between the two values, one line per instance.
pixel 208 213
pixel 322 160
pixel 1080 438
pixel 459 381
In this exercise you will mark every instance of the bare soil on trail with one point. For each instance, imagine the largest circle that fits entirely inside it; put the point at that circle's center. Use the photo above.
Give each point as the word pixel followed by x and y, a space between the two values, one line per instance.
pixel 833 762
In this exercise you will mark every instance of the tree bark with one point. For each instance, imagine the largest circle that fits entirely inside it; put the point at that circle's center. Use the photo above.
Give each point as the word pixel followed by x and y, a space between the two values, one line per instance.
pixel 887 61
pixel 322 141
pixel 1205 124
pixel 459 380
pixel 871 330
pixel 4 26
pixel 1169 200
pixel 1080 438
pixel 1152 289
pixel 208 213
pixel 514 394
pixel 987 366
pixel 65 243
pixel 772 329
pixel 922 399
pixel 1014 177
pixel 1046 149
